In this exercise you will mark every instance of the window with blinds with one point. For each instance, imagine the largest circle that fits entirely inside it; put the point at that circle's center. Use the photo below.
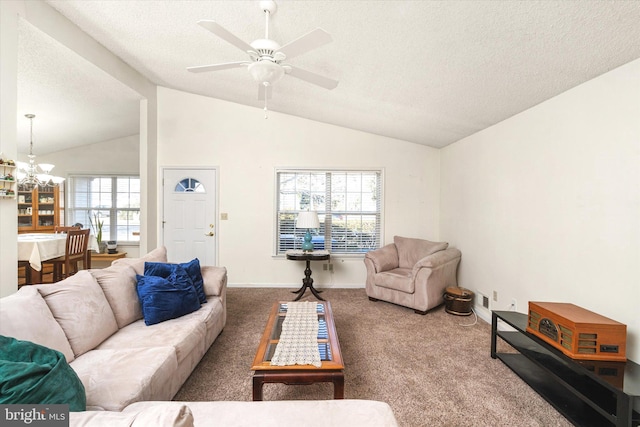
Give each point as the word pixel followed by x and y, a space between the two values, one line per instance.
pixel 349 206
pixel 114 200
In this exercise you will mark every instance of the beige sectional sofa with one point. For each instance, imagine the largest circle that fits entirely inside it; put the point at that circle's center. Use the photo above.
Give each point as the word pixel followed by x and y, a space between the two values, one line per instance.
pixel 292 413
pixel 130 370
pixel 94 318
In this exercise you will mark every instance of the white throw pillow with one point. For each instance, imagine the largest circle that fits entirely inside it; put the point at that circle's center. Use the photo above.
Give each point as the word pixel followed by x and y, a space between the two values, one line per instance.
pixel 81 308
pixel 26 316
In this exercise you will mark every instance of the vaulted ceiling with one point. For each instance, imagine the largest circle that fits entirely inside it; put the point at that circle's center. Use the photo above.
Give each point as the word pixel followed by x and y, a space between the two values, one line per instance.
pixel 429 72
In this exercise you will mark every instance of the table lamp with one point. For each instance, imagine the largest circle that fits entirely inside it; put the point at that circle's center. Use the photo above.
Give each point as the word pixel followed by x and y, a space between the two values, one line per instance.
pixel 308 220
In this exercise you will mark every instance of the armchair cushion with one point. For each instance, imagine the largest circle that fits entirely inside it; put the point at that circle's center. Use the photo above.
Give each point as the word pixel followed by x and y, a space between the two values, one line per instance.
pixel 385 258
pixel 410 251
pixel 399 279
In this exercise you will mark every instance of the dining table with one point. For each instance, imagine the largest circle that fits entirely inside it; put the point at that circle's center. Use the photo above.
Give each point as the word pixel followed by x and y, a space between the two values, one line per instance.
pixel 38 247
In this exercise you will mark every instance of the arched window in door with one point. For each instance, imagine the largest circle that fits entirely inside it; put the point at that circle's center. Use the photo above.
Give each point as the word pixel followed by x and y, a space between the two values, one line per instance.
pixel 189 185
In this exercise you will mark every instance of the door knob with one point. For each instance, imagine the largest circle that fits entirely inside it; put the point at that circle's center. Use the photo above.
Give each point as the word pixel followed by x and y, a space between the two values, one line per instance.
pixel 210 234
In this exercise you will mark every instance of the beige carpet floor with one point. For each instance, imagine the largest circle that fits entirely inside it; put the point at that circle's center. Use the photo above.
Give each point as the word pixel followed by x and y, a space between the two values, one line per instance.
pixel 433 370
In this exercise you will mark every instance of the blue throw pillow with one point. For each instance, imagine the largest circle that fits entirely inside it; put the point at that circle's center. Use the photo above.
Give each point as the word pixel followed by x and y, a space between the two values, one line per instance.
pixel 166 298
pixel 162 269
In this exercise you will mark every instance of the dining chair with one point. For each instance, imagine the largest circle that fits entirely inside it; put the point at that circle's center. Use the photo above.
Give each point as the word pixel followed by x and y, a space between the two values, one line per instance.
pixel 76 250
pixel 63 229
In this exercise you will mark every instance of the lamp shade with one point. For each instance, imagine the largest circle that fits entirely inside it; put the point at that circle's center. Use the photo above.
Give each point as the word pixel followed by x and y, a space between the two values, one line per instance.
pixel 308 219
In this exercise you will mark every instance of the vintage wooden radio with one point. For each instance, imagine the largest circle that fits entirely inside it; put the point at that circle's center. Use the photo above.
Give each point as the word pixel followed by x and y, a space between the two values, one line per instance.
pixel 577 332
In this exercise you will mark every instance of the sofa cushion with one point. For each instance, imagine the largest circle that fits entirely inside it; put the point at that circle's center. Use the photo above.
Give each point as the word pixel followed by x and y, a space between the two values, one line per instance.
pixel 25 315
pixel 308 413
pixel 157 255
pixel 31 373
pixel 183 334
pixel 167 298
pixel 80 307
pixel 115 378
pixel 411 250
pixel 118 282
pixel 214 279
pixel 163 269
pixel 157 415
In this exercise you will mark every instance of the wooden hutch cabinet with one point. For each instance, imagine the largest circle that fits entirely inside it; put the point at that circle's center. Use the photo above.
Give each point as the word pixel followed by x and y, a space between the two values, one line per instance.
pixel 38 209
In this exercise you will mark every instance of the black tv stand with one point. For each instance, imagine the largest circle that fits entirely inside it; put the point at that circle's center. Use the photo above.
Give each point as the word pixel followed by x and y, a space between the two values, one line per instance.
pixel 587 393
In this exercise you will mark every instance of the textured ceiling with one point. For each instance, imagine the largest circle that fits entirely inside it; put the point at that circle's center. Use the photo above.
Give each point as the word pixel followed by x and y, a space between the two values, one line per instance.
pixel 429 72
pixel 75 102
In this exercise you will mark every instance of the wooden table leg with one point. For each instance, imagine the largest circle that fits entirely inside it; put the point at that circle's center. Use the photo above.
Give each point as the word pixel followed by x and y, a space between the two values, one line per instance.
pixel 35 276
pixel 338 386
pixel 258 381
pixel 307 283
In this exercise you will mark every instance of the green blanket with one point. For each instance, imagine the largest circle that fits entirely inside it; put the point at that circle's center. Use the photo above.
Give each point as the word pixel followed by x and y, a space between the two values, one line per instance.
pixel 33 374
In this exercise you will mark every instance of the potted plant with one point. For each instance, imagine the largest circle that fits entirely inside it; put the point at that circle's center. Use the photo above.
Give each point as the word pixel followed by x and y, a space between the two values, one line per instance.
pixel 96 225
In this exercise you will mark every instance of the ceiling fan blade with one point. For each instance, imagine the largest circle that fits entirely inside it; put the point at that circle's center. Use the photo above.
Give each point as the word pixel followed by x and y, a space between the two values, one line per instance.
pixel 305 43
pixel 264 90
pixel 225 35
pixel 217 67
pixel 313 78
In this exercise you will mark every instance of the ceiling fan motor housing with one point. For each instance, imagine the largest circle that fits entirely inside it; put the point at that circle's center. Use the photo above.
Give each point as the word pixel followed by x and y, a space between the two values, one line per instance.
pixel 265 48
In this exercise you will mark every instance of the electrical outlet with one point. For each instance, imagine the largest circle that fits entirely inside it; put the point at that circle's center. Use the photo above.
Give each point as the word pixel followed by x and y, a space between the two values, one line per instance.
pixel 514 304
pixel 495 296
pixel 331 267
pixel 325 267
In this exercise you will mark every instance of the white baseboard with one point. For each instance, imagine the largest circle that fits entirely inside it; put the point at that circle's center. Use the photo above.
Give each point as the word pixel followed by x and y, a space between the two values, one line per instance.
pixel 293 285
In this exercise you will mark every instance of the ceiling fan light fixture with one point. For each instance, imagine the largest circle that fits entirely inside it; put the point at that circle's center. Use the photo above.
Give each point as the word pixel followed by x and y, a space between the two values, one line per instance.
pixel 266 72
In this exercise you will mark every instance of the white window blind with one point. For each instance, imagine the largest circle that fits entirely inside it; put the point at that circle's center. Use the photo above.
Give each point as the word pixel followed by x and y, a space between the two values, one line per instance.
pixel 348 203
pixel 115 200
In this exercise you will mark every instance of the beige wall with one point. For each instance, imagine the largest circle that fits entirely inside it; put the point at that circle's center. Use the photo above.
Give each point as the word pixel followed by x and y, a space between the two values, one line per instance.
pixel 545 206
pixel 199 131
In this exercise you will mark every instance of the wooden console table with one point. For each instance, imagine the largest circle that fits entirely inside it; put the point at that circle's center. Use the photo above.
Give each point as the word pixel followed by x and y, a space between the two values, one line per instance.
pixel 107 257
pixel 588 393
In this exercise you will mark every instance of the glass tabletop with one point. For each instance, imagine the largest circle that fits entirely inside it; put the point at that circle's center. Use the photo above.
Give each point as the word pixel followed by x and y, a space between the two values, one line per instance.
pixel 328 344
pixel 323 333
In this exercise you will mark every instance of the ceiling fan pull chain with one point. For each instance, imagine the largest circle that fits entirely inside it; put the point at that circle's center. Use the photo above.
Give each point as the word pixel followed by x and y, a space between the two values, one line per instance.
pixel 266 116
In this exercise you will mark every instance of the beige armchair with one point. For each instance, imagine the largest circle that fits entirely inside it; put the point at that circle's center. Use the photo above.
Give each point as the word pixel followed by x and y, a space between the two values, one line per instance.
pixel 411 272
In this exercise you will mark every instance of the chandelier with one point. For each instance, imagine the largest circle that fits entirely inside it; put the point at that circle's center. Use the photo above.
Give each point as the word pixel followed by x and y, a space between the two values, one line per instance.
pixel 31 174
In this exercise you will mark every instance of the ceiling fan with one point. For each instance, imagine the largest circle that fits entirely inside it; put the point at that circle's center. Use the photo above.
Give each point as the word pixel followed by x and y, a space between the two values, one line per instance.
pixel 266 56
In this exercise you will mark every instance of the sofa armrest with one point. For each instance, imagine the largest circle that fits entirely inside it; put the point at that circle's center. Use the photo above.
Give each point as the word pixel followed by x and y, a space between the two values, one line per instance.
pixel 384 258
pixel 214 278
pixel 437 259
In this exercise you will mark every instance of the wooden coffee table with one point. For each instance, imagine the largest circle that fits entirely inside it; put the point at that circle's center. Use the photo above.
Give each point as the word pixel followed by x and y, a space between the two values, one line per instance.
pixel 332 369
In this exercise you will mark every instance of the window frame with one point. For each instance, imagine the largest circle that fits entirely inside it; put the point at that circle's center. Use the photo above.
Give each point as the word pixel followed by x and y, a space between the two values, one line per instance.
pixel 70 206
pixel 380 204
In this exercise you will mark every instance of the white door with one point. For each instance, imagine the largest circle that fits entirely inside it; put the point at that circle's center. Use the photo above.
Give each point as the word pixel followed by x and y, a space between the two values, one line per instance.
pixel 189 215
